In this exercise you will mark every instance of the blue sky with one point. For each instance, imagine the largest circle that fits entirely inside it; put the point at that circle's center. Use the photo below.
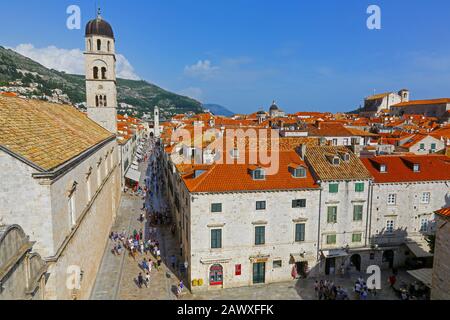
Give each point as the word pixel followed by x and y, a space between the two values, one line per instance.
pixel 307 55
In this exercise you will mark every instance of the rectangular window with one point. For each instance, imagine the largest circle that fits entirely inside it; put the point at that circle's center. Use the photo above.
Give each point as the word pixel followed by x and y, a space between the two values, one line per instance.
pixel 260 205
pixel 356 237
pixel 88 189
pixel 260 235
pixel 299 203
pixel 358 213
pixel 424 225
pixel 422 146
pixel 426 197
pixel 392 199
pixel 216 207
pixel 216 239
pixel 300 232
pixel 433 147
pixel 359 187
pixel 390 226
pixel 332 215
pixel 277 264
pixel 71 209
pixel 335 142
pixel 331 239
pixel 333 188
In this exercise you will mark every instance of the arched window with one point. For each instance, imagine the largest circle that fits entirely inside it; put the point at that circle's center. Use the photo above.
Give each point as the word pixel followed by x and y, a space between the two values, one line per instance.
pixel 103 73
pixel 97 103
pixel 99 44
pixel 95 72
pixel 101 101
pixel 89 45
pixel 105 104
pixel 109 46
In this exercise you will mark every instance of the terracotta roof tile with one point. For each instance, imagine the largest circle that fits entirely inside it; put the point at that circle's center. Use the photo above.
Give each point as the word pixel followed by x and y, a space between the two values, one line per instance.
pixel 444 212
pixel 237 177
pixel 400 168
pixel 320 160
pixel 46 134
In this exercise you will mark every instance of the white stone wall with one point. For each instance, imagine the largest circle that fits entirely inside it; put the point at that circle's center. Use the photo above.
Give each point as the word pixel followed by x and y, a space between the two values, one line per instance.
pixel 238 221
pixel 428 141
pixel 106 116
pixel 42 208
pixel 25 202
pixel 408 210
pixel 344 200
pixel 441 269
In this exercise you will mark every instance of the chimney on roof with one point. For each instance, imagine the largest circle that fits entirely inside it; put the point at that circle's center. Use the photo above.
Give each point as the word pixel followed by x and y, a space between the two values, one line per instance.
pixel 302 151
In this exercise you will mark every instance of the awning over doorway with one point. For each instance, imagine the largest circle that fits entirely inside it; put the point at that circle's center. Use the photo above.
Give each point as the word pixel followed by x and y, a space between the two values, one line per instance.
pixel 419 250
pixel 423 275
pixel 334 253
pixel 133 175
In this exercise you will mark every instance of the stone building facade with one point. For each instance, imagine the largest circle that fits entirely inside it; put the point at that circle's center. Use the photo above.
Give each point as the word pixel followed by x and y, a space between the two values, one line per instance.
pixel 22 272
pixel 404 195
pixel 60 176
pixel 440 289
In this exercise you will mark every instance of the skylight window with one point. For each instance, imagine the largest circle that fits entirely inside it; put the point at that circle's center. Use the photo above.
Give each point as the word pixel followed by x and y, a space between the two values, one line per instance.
pixel 416 167
pixel 299 172
pixel 259 174
pixel 336 161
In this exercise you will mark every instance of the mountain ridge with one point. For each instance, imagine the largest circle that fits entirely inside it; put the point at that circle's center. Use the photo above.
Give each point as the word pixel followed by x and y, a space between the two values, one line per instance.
pixel 141 94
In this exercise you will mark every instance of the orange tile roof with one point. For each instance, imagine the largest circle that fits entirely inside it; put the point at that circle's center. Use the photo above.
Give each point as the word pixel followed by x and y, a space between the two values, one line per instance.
pixel 422 102
pixel 46 134
pixel 444 212
pixel 400 168
pixel 413 140
pixel 237 177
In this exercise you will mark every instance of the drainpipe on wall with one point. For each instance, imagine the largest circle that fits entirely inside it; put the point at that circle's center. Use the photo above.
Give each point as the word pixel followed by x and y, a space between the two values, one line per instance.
pixel 369 213
pixel 320 213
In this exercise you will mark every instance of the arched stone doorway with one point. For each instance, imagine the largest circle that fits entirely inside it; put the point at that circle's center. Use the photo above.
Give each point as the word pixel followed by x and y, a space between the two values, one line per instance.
pixel 356 261
pixel 216 275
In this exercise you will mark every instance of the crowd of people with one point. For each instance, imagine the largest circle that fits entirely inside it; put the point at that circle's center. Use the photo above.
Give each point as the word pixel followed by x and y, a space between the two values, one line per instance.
pixel 327 290
pixel 145 246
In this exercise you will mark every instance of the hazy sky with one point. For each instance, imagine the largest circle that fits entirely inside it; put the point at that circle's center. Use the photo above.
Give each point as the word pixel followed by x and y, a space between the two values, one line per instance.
pixel 307 55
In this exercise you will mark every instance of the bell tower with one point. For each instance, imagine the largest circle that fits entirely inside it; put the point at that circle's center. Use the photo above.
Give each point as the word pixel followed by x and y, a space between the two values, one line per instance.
pixel 100 64
pixel 157 132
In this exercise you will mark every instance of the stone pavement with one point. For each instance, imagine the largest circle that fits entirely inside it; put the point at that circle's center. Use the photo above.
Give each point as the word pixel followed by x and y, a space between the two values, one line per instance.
pixel 116 279
pixel 299 289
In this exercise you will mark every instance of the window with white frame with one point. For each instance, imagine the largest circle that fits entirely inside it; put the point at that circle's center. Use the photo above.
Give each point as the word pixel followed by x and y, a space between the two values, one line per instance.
pixel 424 225
pixel 425 198
pixel 390 225
pixel 392 199
pixel 259 174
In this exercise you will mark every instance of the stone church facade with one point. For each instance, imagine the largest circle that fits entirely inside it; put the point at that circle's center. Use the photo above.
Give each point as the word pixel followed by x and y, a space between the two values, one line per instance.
pixel 60 173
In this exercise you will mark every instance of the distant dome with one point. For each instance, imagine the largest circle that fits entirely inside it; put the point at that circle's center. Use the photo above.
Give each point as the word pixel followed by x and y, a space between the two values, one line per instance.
pixel 260 112
pixel 274 107
pixel 99 27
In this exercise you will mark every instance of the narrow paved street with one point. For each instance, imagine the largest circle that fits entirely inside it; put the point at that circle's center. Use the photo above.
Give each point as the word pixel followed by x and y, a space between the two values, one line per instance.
pixel 117 277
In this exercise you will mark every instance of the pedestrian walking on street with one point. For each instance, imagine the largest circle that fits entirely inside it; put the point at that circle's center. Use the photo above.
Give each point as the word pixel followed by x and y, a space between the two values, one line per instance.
pixel 140 280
